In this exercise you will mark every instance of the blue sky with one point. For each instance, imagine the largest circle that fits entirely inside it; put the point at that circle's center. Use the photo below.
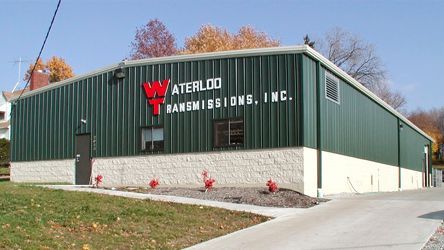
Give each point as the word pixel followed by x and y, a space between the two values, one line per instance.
pixel 408 35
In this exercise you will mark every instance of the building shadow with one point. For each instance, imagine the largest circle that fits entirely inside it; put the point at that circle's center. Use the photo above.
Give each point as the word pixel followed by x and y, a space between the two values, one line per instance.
pixel 438 215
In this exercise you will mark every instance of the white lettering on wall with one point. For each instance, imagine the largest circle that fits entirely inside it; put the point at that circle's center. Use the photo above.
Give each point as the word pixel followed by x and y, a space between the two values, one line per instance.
pixel 196 86
pixel 203 103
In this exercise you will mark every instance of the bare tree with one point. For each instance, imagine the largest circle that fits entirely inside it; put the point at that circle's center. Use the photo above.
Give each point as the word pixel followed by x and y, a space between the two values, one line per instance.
pixel 391 97
pixel 153 40
pixel 359 59
pixel 354 56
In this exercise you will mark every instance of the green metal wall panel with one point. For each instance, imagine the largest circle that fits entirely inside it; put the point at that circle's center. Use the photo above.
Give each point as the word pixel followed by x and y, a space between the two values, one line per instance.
pixel 309 101
pixel 358 126
pixel 45 124
pixel 412 148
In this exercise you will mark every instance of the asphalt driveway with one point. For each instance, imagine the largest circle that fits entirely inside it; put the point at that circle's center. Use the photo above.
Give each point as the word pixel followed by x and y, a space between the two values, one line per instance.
pixel 398 220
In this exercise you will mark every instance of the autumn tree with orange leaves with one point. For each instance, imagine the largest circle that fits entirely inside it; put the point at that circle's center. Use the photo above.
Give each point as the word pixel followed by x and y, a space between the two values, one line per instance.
pixel 40 66
pixel 210 38
pixel 56 66
pixel 155 40
pixel 432 122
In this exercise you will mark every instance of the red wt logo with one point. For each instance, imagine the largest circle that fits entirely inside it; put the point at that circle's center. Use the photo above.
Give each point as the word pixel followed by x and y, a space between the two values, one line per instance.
pixel 155 92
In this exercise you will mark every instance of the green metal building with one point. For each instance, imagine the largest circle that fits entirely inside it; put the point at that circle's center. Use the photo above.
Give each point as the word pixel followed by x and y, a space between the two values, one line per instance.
pixel 285 113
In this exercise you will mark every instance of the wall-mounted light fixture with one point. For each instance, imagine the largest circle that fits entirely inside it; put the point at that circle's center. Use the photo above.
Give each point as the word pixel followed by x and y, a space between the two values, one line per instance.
pixel 401 126
pixel 119 73
pixel 82 122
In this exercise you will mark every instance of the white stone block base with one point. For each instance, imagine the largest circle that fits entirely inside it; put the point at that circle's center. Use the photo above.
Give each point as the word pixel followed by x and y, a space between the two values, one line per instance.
pixel 58 171
pixel 294 168
pixel 228 168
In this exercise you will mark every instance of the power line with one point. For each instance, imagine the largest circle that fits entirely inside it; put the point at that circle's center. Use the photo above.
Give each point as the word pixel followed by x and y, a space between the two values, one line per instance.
pixel 41 50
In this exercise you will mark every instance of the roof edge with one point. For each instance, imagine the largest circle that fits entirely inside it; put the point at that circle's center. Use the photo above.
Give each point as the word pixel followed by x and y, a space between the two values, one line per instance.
pixel 331 66
pixel 232 53
pixel 167 59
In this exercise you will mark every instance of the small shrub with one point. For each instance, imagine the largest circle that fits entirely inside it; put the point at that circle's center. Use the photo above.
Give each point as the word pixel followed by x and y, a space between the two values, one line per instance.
pixel 208 182
pixel 98 180
pixel 4 153
pixel 154 183
pixel 272 186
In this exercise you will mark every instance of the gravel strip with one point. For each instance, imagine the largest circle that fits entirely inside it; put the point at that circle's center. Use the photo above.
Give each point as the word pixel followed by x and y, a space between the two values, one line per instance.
pixel 241 195
pixel 436 241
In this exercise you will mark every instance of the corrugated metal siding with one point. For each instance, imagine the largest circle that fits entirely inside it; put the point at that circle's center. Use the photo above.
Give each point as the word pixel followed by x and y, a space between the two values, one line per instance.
pixel 361 128
pixel 45 124
pixel 412 148
pixel 309 101
pixel 358 126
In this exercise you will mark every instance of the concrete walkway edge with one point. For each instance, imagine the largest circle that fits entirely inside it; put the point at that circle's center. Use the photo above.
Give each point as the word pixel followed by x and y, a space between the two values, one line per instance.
pixel 274 212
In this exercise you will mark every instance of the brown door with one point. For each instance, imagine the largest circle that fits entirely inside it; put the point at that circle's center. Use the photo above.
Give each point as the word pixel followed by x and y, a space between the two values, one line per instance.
pixel 83 159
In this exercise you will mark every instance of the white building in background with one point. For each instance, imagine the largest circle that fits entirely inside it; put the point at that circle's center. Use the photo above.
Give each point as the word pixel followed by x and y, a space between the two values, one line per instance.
pixel 38 79
pixel 5 111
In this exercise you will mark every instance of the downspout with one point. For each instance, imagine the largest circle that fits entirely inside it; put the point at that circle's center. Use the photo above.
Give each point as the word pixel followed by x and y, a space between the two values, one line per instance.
pixel 429 165
pixel 318 130
pixel 400 126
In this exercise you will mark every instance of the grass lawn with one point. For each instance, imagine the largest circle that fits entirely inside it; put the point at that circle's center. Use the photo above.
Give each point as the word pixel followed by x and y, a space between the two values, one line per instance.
pixel 4 171
pixel 38 218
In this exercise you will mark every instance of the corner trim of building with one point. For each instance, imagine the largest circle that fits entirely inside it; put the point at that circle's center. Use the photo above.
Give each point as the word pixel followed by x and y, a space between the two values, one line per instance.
pixel 318 130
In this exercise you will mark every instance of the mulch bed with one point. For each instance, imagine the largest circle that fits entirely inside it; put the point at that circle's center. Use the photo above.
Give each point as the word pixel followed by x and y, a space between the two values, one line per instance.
pixel 242 195
pixel 436 241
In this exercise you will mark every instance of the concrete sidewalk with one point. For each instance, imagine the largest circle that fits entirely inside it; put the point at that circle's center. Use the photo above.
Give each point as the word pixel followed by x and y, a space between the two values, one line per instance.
pixel 399 220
